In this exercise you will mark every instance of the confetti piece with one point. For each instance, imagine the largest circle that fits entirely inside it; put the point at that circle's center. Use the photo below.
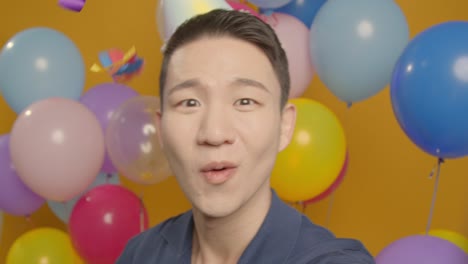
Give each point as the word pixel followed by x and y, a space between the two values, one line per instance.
pixel 72 5
pixel 121 66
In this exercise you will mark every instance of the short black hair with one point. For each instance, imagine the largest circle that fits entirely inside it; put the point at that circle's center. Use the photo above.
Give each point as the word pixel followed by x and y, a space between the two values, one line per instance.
pixel 237 24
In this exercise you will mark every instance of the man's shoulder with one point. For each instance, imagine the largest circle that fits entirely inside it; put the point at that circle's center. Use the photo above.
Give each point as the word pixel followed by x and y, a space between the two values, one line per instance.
pixel 317 245
pixel 152 243
pixel 156 231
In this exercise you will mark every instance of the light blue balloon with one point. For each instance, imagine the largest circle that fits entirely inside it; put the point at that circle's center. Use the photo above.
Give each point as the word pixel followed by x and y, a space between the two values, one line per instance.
pixel 355 45
pixel 63 210
pixel 269 3
pixel 39 63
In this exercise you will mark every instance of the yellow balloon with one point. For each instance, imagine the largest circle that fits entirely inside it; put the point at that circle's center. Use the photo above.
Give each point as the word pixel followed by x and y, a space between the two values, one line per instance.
pixel 454 237
pixel 315 156
pixel 43 246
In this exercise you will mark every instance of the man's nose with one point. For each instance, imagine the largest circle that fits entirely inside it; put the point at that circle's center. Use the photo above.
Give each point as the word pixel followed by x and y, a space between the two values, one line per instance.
pixel 216 127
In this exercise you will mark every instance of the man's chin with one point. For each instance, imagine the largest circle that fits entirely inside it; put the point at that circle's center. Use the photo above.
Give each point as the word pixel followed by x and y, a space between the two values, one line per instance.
pixel 215 210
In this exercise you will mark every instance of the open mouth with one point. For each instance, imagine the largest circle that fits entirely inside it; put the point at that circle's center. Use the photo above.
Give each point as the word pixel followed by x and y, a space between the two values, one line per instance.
pixel 218 166
pixel 220 169
pixel 218 172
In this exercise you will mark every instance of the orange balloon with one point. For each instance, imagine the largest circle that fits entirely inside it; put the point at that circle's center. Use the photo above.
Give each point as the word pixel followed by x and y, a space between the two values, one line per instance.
pixel 315 156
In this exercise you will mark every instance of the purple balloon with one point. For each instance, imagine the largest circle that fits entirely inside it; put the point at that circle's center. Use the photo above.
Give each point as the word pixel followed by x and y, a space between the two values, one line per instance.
pixel 422 249
pixel 103 100
pixel 15 197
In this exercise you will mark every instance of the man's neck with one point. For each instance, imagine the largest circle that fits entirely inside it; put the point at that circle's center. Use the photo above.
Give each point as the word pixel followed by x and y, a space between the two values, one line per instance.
pixel 223 240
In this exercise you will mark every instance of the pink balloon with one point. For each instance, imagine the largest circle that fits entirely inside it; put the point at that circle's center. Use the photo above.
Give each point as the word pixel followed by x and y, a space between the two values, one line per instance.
pixel 57 148
pixel 332 187
pixel 243 8
pixel 294 37
pixel 103 221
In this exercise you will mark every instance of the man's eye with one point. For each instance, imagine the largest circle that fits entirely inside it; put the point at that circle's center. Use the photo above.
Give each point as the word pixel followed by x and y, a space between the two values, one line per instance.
pixel 245 101
pixel 190 103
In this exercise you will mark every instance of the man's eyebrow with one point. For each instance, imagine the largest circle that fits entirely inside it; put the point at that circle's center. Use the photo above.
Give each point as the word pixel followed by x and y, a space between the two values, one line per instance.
pixel 249 82
pixel 236 83
pixel 184 85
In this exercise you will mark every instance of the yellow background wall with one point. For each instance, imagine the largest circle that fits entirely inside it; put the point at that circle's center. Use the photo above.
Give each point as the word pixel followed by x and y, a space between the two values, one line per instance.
pixel 386 193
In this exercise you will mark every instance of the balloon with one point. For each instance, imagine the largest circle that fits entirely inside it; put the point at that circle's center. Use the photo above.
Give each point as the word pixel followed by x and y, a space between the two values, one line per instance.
pixel 63 210
pixel 132 142
pixel 355 45
pixel 305 11
pixel 160 20
pixel 270 3
pixel 15 197
pixel 294 38
pixel 178 11
pixel 57 148
pixel 43 245
pixel 332 187
pixel 243 8
pixel 429 90
pixel 421 249
pixel 39 63
pixel 103 221
pixel 315 155
pixel 451 236
pixel 103 100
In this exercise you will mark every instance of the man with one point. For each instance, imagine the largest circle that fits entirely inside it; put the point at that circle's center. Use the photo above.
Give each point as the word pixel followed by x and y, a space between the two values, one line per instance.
pixel 224 117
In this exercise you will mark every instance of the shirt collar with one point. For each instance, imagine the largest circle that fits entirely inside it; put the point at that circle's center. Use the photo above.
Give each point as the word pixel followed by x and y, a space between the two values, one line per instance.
pixel 178 234
pixel 275 238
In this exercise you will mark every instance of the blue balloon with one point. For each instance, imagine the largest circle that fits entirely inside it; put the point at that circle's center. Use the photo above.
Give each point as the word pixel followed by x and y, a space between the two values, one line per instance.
pixel 354 46
pixel 302 10
pixel 269 3
pixel 39 63
pixel 429 90
pixel 63 210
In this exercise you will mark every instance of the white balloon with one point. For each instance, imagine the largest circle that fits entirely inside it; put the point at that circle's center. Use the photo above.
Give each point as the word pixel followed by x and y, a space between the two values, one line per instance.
pixel 160 20
pixel 176 12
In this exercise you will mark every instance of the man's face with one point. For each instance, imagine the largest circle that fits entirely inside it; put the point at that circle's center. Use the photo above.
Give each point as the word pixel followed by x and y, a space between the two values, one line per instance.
pixel 221 126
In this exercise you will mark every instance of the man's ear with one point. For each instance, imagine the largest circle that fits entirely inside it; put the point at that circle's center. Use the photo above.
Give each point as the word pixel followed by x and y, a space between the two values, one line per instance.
pixel 158 127
pixel 288 123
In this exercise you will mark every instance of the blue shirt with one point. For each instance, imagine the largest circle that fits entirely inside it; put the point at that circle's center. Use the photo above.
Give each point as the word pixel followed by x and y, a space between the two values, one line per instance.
pixel 286 236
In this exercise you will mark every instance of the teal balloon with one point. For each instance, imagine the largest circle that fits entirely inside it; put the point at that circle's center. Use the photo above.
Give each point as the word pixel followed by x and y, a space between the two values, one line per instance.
pixel 356 44
pixel 63 210
pixel 39 63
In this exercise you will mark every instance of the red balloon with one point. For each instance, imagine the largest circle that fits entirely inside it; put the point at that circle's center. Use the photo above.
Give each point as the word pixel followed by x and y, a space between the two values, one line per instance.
pixel 103 221
pixel 332 187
